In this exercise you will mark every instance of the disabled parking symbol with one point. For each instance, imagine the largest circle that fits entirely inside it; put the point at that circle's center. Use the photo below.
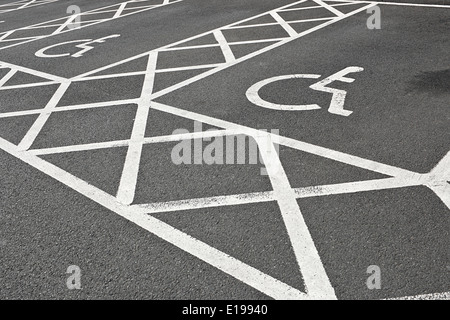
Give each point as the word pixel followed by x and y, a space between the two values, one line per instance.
pixel 85 45
pixel 337 100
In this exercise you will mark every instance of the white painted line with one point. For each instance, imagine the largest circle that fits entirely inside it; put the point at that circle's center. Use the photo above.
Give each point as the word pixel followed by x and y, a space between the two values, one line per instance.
pixel 15 3
pixel 257 41
pixel 295 144
pixel 267 196
pixel 201 203
pixel 23 5
pixel 18 39
pixel 245 26
pixel 399 4
pixel 34 131
pixel 83 24
pixel 292 33
pixel 346 158
pixel 443 192
pixel 217 45
pixel 224 46
pixel 78 148
pixel 276 24
pixel 316 280
pixel 120 10
pixel 183 41
pixel 71 108
pixel 204 66
pixel 125 143
pixel 26 4
pixel 247 57
pixel 356 187
pixel 57 25
pixel 329 8
pixel 317 284
pixel 442 169
pixel 137 8
pixel 65 24
pixel 99 11
pixel 28 85
pixel 130 172
pixel 109 76
pixel 19 113
pixel 319 6
pixel 5 35
pixel 237 269
pixel 310 20
pixel 300 9
pixel 96 105
pixel 34 72
pixel 203 46
pixel 8 76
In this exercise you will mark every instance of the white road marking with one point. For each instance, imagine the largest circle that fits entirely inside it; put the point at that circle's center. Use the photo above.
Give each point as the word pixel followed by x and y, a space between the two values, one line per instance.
pixel 5 35
pixel 121 8
pixel 204 66
pixel 128 181
pixel 283 193
pixel 27 4
pixel 33 72
pixel 289 142
pixel 23 5
pixel 110 76
pixel 8 76
pixel 237 269
pixel 442 169
pixel 23 86
pixel 319 6
pixel 227 53
pixel 282 41
pixel 268 196
pixel 406 4
pixel 250 56
pixel 85 21
pixel 65 24
pixel 317 284
pixel 284 24
pixel 329 8
pixel 32 134
pixel 125 143
pixel 70 108
pixel 443 192
pixel 274 24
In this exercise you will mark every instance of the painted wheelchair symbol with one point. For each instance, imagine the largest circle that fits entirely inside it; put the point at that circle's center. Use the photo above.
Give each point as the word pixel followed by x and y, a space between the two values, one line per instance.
pixel 85 45
pixel 337 101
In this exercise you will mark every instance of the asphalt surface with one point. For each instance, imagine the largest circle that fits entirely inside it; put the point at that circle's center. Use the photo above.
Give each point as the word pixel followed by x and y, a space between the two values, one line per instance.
pixel 400 119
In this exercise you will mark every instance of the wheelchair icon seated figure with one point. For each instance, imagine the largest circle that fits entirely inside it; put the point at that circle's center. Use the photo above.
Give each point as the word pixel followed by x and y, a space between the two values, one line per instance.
pixel 337 100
